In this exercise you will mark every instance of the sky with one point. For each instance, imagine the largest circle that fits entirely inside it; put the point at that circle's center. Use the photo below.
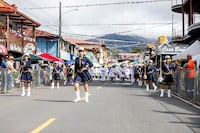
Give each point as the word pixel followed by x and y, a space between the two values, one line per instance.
pixel 144 19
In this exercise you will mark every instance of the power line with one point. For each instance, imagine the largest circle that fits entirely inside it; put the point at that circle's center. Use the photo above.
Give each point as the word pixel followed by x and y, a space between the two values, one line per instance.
pixel 119 24
pixel 103 4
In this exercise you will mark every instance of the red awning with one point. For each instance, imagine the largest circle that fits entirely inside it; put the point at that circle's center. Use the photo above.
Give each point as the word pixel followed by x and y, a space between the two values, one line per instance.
pixel 51 57
pixel 3 50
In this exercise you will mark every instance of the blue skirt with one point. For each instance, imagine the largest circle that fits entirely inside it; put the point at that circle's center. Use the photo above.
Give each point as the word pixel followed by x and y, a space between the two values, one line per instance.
pixel 56 76
pixel 167 79
pixel 83 77
pixel 26 77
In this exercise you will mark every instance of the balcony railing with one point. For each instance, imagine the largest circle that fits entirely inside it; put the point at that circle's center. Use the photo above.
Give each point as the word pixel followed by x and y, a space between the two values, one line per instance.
pixel 176 2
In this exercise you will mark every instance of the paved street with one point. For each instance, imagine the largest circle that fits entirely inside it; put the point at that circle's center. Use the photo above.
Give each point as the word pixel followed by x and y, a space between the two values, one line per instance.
pixel 113 108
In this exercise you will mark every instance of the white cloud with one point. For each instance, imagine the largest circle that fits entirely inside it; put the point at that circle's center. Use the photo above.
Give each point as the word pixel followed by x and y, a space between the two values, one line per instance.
pixel 159 12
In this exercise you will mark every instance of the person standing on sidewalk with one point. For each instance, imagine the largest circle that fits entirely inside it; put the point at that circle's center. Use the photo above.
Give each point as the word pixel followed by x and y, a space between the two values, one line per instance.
pixel 167 69
pixel 26 76
pixel 82 75
pixel 191 73
pixel 10 71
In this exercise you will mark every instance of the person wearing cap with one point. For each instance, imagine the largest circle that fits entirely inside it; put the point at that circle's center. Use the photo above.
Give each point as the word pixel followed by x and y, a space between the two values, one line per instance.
pixel 26 76
pixel 82 75
pixel 149 70
pixel 167 69
pixel 56 75
pixel 10 71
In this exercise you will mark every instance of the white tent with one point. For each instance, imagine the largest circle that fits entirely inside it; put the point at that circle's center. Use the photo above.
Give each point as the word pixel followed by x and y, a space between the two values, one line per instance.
pixel 193 50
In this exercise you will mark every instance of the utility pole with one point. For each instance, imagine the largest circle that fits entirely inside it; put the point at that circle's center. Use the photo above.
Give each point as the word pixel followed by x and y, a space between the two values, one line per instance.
pixel 60 26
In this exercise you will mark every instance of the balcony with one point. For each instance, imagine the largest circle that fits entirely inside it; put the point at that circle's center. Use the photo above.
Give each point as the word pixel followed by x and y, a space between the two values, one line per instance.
pixel 177 6
pixel 194 29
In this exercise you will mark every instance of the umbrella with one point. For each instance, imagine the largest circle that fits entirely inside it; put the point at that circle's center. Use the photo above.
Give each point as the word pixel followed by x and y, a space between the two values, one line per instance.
pixel 51 57
pixel 32 58
pixel 3 50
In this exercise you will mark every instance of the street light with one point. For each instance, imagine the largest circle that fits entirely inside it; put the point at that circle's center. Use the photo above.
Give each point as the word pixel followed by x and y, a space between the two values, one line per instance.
pixel 60 25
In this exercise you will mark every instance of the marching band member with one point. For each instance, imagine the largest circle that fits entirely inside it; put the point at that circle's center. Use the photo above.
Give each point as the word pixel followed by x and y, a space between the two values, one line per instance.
pixel 123 71
pixel 26 76
pixel 103 72
pixel 113 73
pixel 56 75
pixel 168 80
pixel 82 75
pixel 150 69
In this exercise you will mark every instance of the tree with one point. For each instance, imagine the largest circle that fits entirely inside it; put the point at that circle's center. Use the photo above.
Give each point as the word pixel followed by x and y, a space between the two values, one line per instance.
pixel 136 50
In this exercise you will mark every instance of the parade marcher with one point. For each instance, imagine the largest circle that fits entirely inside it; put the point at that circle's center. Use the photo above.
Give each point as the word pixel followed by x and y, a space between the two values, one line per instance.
pixel 149 70
pixel 56 75
pixel 113 73
pixel 123 72
pixel 69 72
pixel 10 71
pixel 167 69
pixel 26 76
pixel 103 72
pixel 82 75
pixel 132 71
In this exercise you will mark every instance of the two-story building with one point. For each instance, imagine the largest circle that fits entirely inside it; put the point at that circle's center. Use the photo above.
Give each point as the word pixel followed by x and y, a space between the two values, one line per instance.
pixel 13 24
pixel 96 51
pixel 190 12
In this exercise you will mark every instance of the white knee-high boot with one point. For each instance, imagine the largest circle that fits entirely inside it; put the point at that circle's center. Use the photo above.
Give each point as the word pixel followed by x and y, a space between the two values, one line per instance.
pixel 86 97
pixel 169 93
pixel 58 85
pixel 154 86
pixel 29 91
pixel 52 85
pixel 78 98
pixel 23 91
pixel 147 87
pixel 162 92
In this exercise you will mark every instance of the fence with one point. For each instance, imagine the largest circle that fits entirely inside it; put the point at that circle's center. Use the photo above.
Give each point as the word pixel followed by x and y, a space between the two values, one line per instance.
pixel 187 88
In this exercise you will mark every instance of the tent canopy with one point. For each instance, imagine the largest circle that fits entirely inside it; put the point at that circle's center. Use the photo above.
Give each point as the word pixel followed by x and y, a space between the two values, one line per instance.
pixel 51 57
pixel 32 58
pixel 193 50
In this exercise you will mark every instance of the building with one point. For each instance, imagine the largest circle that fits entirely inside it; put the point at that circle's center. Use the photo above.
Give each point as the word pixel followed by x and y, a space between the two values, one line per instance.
pixel 96 51
pixel 190 11
pixel 128 57
pixel 13 24
pixel 48 43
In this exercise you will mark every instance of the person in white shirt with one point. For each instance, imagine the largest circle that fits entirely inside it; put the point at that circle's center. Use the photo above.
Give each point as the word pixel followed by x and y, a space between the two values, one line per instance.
pixel 103 72
pixel 123 72
pixel 10 71
pixel 114 73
